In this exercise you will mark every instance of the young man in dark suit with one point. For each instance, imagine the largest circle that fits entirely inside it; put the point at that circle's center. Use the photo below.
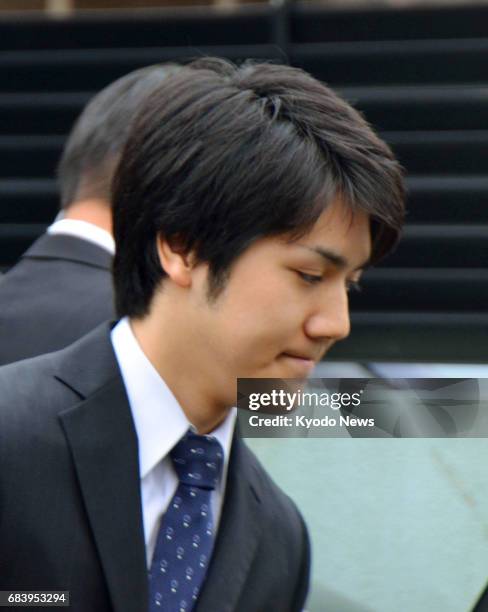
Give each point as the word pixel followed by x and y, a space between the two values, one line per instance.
pixel 246 204
pixel 61 288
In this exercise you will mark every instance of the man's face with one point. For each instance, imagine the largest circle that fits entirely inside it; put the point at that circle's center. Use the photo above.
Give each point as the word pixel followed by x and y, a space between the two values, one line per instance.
pixel 285 303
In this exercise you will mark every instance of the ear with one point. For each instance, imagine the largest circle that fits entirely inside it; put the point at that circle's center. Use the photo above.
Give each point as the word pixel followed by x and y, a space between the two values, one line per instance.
pixel 177 264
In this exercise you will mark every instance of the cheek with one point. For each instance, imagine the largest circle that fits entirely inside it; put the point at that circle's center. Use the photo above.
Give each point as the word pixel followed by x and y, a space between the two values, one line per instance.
pixel 262 323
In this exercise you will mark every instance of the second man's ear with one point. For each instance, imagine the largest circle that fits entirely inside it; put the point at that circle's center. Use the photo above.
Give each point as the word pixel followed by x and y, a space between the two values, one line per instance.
pixel 177 264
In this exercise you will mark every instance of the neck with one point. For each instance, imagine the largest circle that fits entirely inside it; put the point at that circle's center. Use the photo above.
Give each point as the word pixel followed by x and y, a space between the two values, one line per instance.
pixel 96 212
pixel 172 358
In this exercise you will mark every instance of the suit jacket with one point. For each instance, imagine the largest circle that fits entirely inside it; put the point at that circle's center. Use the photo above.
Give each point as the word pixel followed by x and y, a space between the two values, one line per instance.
pixel 59 290
pixel 482 603
pixel 70 507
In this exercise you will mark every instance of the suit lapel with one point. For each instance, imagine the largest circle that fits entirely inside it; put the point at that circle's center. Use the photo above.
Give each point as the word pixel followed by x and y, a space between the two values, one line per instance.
pixel 238 536
pixel 103 442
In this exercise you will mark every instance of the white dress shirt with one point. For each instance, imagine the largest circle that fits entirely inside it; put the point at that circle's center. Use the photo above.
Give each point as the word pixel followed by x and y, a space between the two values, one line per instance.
pixel 160 423
pixel 84 230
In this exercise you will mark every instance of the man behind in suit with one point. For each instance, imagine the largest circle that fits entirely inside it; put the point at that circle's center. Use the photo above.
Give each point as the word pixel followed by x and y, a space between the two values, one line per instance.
pixel 246 203
pixel 61 288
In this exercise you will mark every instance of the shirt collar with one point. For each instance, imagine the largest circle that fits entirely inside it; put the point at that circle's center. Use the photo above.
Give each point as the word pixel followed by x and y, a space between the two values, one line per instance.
pixel 84 230
pixel 158 418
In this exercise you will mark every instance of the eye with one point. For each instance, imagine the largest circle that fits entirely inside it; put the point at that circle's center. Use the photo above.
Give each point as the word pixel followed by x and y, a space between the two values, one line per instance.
pixel 310 279
pixel 353 286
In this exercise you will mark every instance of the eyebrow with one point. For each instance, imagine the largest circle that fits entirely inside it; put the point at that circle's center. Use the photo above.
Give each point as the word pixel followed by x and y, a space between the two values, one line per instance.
pixel 334 258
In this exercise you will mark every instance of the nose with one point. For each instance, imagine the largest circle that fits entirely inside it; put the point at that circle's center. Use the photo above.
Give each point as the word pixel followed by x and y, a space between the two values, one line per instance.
pixel 330 318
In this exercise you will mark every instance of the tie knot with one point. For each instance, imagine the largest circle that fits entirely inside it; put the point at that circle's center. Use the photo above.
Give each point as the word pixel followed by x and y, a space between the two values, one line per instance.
pixel 198 460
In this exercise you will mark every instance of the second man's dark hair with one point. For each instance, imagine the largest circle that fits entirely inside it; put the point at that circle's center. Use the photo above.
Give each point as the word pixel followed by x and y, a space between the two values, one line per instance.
pixel 93 147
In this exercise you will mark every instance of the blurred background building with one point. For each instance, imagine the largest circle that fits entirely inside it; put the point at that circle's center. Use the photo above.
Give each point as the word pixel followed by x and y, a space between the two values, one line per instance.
pixel 418 73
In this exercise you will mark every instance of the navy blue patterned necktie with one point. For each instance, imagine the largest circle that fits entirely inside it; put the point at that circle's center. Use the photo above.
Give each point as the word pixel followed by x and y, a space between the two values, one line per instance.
pixel 186 534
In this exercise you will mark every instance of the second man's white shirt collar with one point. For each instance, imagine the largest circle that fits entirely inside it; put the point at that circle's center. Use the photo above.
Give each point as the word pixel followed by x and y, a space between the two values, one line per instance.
pixel 85 231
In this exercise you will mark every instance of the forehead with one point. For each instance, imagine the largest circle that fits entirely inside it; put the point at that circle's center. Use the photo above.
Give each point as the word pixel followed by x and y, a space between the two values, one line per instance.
pixel 342 231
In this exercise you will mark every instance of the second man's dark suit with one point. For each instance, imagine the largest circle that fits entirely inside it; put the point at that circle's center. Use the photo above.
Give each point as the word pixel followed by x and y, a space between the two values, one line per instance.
pixel 70 507
pixel 59 290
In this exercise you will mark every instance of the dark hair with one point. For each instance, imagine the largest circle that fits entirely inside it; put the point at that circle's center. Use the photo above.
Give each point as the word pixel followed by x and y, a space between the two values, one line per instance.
pixel 221 156
pixel 95 142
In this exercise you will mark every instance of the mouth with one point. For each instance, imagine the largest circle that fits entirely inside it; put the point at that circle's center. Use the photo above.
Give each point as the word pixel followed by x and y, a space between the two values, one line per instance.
pixel 301 363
